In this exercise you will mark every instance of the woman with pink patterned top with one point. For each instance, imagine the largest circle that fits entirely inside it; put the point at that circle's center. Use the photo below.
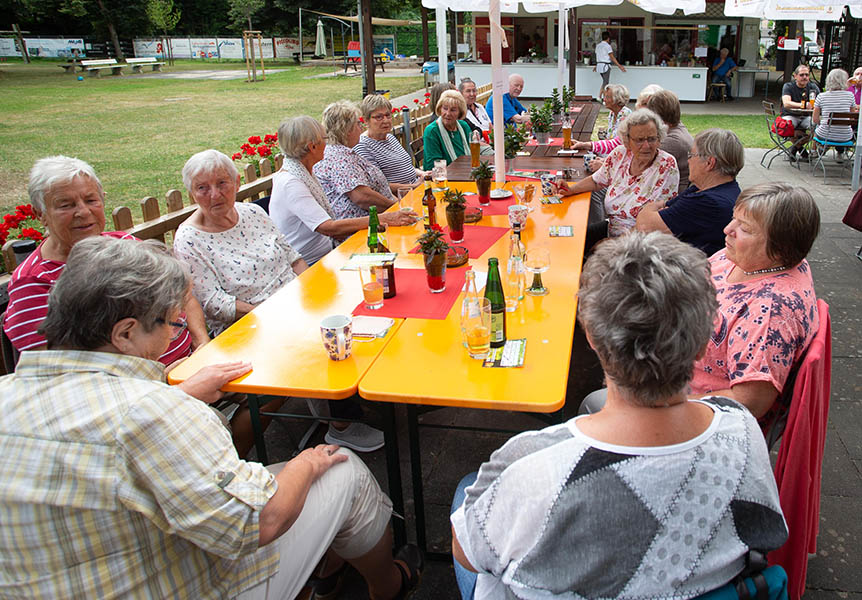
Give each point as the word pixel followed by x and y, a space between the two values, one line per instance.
pixel 767 310
pixel 634 173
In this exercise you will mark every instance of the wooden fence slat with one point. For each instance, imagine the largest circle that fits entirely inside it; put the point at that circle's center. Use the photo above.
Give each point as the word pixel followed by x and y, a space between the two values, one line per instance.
pixel 150 210
pixel 174 200
pixel 122 218
pixel 265 167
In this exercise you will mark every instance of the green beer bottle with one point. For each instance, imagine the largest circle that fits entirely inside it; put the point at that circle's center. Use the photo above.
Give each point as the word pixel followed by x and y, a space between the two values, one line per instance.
pixel 373 226
pixel 494 294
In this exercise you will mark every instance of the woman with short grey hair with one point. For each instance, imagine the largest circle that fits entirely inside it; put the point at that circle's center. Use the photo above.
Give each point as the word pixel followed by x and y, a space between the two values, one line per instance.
pixel 299 205
pixel 634 173
pixel 645 458
pixel 448 137
pixel 725 147
pixel 351 183
pixel 616 98
pixel 53 170
pixel 382 149
pixel 836 98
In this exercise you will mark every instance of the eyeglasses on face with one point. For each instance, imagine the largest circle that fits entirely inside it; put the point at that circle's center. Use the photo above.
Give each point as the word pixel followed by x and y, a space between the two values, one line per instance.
pixel 177 327
pixel 696 154
pixel 381 116
pixel 639 141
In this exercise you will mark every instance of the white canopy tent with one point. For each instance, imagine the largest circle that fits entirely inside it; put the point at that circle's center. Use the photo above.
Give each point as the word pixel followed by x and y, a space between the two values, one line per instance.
pixel 498 40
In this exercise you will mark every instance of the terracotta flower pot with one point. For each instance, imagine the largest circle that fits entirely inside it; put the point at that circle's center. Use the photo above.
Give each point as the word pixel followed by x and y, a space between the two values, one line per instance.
pixel 435 269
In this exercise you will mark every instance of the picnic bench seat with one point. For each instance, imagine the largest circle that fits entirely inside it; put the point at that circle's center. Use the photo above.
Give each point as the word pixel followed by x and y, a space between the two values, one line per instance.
pixel 138 64
pixel 71 67
pixel 95 67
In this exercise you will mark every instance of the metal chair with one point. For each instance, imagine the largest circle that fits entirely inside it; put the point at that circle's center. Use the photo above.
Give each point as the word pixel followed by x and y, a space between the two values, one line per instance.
pixel 822 145
pixel 781 144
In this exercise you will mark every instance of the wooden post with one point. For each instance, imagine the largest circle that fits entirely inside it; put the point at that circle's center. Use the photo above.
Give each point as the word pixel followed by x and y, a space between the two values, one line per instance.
pixel 426 53
pixel 367 47
pixel 21 43
pixel 573 48
pixel 453 38
pixel 790 60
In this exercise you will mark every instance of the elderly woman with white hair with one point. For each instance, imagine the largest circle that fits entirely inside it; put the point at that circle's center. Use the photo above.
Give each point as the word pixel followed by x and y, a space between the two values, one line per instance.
pixel 351 183
pixel 67 197
pixel 299 206
pixel 661 494
pixel 835 98
pixel 379 147
pixel 616 98
pixel 634 173
pixel 448 137
pixel 477 116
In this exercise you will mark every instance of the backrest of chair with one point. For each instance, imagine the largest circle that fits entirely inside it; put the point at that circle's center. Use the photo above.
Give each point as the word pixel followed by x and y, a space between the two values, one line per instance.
pixel 417 149
pixel 768 108
pixel 9 353
pixel 353 49
pixel 842 119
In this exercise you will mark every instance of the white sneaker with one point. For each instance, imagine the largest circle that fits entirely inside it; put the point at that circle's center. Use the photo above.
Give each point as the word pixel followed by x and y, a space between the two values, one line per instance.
pixel 358 437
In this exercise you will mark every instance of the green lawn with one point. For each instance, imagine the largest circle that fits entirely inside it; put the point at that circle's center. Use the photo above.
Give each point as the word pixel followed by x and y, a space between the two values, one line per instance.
pixel 137 131
pixel 750 128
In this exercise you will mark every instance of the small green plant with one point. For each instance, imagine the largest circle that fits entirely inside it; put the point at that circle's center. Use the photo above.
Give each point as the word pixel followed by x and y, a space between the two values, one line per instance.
pixel 558 105
pixel 567 96
pixel 514 139
pixel 483 171
pixel 432 242
pixel 455 198
pixel 542 117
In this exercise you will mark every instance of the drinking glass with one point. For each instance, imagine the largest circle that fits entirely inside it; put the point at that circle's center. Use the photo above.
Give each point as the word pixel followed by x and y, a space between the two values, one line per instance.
pixel 403 205
pixel 476 325
pixel 518 216
pixel 474 153
pixel 372 288
pixel 438 174
pixel 537 261
pixel 529 194
pixel 518 188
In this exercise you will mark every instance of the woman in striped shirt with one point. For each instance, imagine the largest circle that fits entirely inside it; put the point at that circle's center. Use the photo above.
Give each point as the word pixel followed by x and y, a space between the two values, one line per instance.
pixel 379 147
pixel 836 98
pixel 616 98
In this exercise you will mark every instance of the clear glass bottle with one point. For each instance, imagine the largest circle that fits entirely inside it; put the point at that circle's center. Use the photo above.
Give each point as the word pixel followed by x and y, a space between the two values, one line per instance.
pixel 470 303
pixel 515 273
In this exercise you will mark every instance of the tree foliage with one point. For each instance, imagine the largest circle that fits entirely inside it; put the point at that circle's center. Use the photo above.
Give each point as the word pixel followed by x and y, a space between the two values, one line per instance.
pixel 163 15
pixel 241 11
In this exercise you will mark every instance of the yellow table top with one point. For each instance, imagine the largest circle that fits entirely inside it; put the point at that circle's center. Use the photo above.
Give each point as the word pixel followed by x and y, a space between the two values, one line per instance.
pixel 415 367
pixel 281 337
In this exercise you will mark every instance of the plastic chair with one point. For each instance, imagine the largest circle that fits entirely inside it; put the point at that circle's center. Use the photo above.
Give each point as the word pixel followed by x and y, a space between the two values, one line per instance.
pixel 835 119
pixel 800 458
pixel 781 144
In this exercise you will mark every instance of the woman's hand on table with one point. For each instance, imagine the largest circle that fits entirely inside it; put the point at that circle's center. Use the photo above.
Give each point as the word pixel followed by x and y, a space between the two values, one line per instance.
pixel 400 218
pixel 562 188
pixel 583 145
pixel 206 384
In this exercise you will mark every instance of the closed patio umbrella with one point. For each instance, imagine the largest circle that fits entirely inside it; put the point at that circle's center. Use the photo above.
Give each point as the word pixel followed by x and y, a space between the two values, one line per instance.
pixel 320 42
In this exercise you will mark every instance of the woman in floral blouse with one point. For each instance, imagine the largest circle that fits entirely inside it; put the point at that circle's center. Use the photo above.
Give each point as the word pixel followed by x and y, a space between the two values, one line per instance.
pixel 352 184
pixel 635 173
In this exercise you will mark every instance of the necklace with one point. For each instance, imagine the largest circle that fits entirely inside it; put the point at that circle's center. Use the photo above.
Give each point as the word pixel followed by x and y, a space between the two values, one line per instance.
pixel 763 271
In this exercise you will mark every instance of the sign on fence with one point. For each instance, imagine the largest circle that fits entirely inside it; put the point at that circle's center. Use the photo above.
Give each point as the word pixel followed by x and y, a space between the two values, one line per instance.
pixel 8 47
pixel 286 46
pixel 230 48
pixel 51 47
pixel 147 48
pixel 204 47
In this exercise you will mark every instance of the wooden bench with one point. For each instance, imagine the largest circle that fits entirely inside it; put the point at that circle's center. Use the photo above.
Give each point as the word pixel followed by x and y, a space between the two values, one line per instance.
pixel 354 58
pixel 138 64
pixel 72 67
pixel 156 225
pixel 95 67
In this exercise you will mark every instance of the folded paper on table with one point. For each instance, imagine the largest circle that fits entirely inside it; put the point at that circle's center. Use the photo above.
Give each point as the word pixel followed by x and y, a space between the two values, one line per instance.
pixel 414 300
pixel 477 239
pixel 371 327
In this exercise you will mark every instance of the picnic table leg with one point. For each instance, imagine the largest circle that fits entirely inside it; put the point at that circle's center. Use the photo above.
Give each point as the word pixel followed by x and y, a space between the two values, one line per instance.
pixel 257 429
pixel 416 472
pixel 393 473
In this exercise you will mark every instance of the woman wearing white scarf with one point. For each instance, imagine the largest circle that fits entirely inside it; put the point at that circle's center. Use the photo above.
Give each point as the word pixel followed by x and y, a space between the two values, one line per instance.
pixel 299 205
pixel 447 137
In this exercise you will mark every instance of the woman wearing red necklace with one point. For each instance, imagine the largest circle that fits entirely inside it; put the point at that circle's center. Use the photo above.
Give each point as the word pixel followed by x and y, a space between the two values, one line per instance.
pixel 767 310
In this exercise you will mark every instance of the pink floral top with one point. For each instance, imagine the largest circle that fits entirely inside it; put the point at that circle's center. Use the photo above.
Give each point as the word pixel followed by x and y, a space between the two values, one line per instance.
pixel 762 328
pixel 627 194
pixel 340 172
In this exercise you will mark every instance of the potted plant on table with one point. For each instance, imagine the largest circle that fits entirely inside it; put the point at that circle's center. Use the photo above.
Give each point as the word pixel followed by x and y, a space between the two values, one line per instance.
pixel 434 248
pixel 482 176
pixel 456 204
pixel 542 120
pixel 558 104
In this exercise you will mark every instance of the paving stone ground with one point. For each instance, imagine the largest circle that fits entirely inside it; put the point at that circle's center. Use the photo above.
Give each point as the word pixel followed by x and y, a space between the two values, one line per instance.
pixel 836 570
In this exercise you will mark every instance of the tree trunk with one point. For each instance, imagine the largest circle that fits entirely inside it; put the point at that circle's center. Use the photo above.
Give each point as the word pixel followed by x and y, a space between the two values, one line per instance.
pixel 426 53
pixel 112 31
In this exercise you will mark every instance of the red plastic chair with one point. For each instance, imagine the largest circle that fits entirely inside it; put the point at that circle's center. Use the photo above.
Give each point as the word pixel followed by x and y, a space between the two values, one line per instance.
pixel 800 458
pixel 353 57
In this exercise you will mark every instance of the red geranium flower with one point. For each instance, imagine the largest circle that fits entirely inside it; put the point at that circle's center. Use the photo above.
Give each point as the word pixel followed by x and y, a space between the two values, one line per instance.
pixel 436 227
pixel 427 94
pixel 361 120
pixel 269 138
pixel 416 100
pixel 236 156
pixel 255 139
pixel 264 151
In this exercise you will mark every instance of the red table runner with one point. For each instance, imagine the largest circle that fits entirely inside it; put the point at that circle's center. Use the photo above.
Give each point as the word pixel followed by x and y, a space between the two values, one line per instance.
pixel 477 239
pixel 414 300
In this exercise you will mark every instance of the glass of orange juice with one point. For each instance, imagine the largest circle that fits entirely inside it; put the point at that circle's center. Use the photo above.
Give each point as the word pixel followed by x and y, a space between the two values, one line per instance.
pixel 476 324
pixel 372 288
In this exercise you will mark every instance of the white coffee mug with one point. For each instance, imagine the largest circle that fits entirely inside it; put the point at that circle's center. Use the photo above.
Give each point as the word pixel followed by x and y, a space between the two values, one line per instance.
pixel 337 334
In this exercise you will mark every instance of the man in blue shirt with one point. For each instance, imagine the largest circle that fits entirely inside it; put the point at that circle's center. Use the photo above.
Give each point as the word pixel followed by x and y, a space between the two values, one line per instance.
pixel 722 68
pixel 699 214
pixel 513 111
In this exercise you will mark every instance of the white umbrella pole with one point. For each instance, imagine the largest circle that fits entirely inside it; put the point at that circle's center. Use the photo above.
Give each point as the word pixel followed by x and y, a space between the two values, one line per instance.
pixel 857 156
pixel 561 49
pixel 441 45
pixel 497 81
